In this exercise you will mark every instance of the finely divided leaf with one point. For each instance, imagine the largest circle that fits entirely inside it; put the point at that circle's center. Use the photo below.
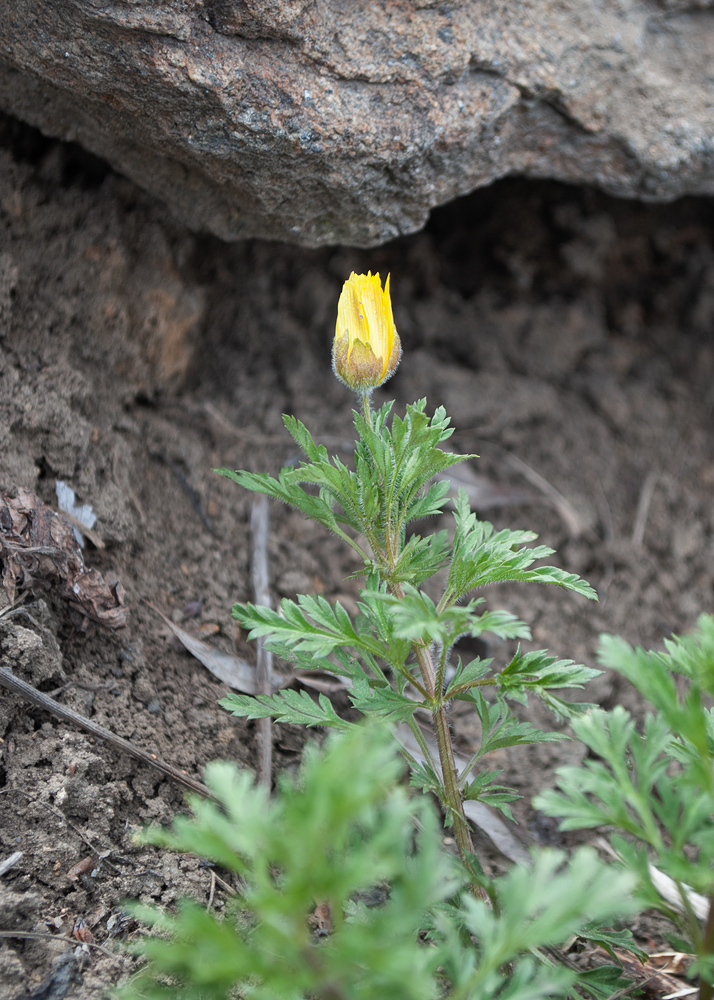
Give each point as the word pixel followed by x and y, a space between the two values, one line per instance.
pixel 466 677
pixel 483 556
pixel 310 625
pixel 416 617
pixel 384 702
pixel 285 488
pixel 538 671
pixel 296 707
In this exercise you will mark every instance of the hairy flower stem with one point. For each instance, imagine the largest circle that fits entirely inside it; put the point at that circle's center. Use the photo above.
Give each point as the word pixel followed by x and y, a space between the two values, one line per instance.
pixel 452 792
pixel 365 398
pixel 450 787
pixel 705 988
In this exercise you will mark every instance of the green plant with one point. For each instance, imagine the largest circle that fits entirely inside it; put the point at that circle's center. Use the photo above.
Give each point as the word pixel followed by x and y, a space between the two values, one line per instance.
pixel 655 787
pixel 347 834
pixel 396 653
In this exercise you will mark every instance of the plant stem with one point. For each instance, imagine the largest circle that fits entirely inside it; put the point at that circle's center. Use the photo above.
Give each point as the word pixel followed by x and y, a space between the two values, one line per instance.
pixel 423 745
pixel 705 988
pixel 423 658
pixel 441 669
pixel 451 792
pixel 450 778
pixel 365 399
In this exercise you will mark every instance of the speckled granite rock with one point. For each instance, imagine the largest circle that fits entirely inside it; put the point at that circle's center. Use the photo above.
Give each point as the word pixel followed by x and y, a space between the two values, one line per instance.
pixel 324 121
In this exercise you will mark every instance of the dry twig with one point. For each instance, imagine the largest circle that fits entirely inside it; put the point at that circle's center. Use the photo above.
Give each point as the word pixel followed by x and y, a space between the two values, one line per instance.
pixel 212 893
pixel 643 509
pixel 96 540
pixel 264 662
pixel 10 862
pixel 42 936
pixel 12 683
pixel 564 507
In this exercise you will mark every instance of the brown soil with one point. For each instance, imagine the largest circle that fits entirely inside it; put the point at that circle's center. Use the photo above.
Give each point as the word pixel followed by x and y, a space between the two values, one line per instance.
pixel 557 325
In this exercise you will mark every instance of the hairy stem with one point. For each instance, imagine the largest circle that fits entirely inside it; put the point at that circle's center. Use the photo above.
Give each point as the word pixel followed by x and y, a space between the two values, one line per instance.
pixel 441 669
pixel 423 745
pixel 365 399
pixel 449 776
pixel 705 988
pixel 451 792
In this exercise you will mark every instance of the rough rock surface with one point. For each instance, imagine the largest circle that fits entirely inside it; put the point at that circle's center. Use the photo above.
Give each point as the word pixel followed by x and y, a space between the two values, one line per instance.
pixel 325 121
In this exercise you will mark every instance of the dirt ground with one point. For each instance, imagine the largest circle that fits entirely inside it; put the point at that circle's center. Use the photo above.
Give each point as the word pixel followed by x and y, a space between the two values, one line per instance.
pixel 568 334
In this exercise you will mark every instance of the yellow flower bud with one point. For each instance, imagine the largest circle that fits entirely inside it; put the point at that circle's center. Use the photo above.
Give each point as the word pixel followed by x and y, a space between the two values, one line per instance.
pixel 367 348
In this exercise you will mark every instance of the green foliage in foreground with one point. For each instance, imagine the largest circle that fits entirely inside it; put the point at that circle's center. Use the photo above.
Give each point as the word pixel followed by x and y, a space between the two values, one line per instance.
pixel 348 834
pixel 655 786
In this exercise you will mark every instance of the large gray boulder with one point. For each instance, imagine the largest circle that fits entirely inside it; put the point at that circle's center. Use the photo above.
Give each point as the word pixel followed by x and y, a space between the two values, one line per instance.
pixel 326 121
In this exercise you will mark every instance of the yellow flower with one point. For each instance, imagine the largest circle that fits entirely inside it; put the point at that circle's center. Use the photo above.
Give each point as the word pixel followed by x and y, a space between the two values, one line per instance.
pixel 367 348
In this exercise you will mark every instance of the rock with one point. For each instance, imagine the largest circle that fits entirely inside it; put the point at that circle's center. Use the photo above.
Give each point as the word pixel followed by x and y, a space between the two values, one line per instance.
pixel 346 121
